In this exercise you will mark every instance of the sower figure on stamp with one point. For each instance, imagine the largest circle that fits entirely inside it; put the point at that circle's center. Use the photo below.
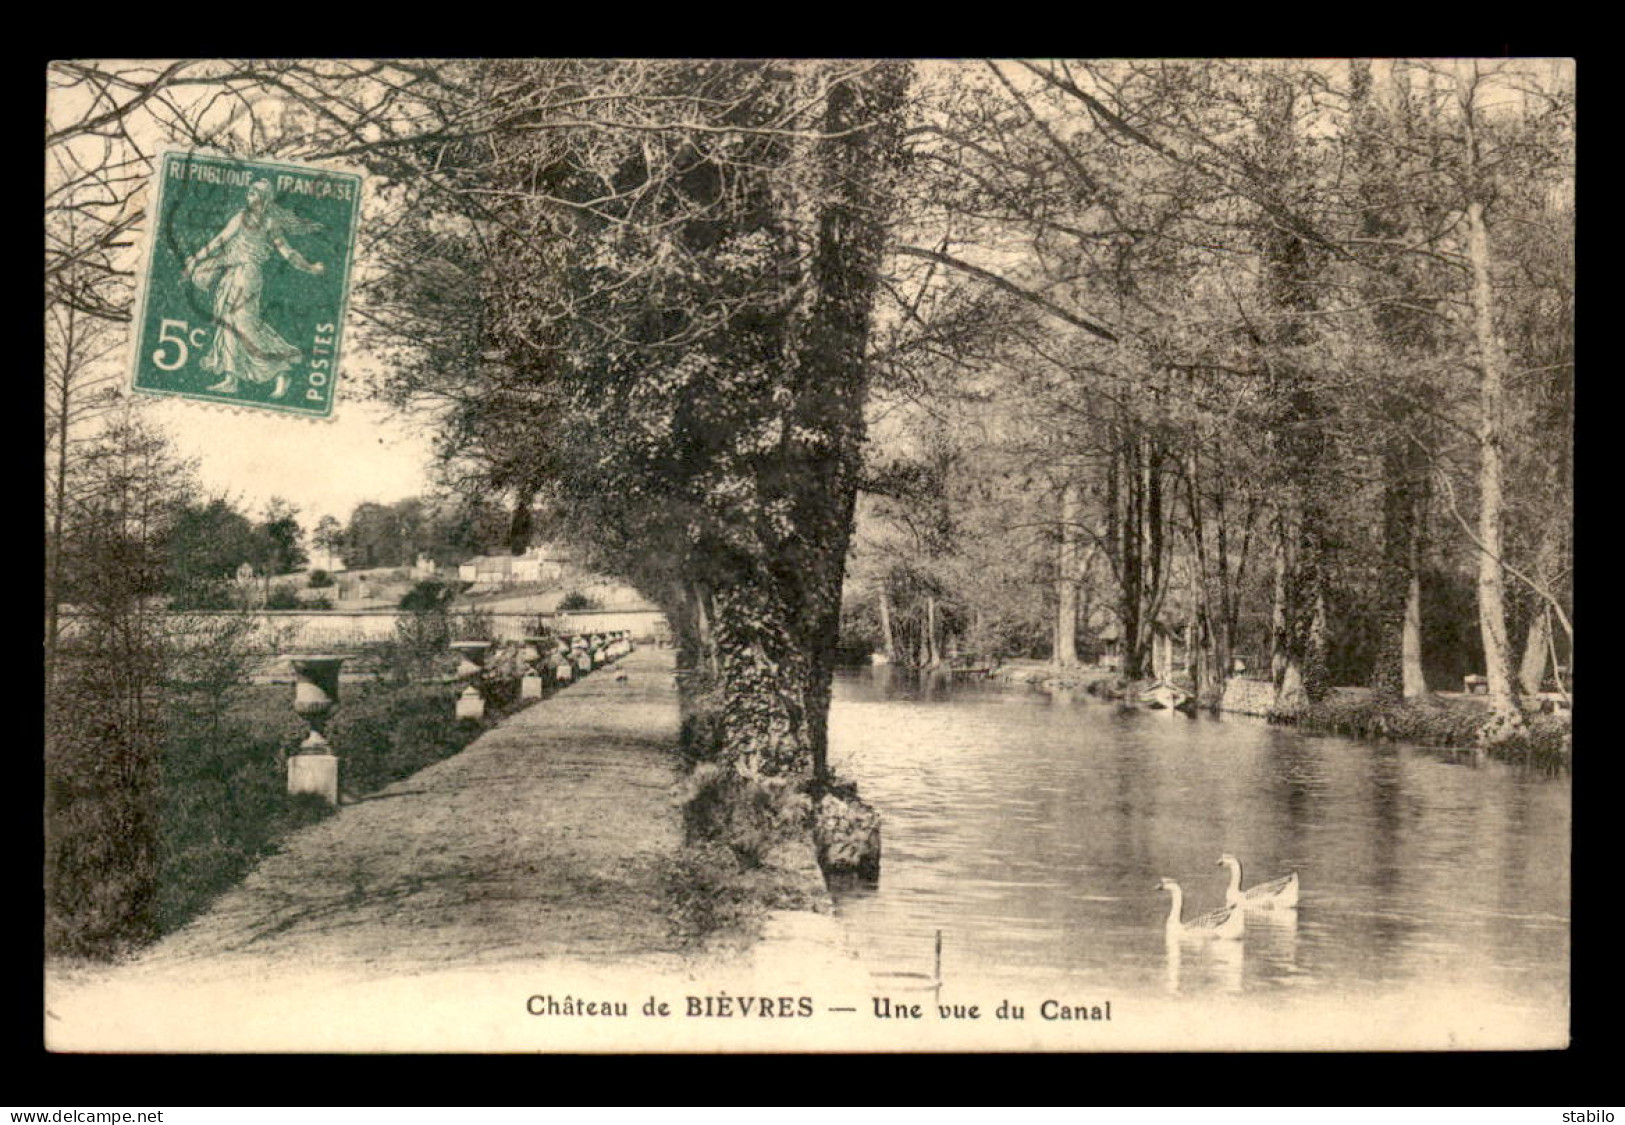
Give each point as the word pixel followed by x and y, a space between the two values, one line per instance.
pixel 231 265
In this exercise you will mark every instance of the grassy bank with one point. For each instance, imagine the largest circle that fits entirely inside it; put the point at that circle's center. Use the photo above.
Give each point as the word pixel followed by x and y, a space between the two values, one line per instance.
pixel 1048 675
pixel 729 873
pixel 224 801
pixel 1439 721
pixel 157 804
pixel 1452 723
pixel 743 837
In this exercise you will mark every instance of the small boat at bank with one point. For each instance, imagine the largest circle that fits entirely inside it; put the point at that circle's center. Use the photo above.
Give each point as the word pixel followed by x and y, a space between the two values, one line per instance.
pixel 1164 695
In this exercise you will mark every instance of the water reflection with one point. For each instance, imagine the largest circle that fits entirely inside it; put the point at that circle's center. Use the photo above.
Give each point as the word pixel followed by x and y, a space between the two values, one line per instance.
pixel 1203 964
pixel 1272 940
pixel 1029 828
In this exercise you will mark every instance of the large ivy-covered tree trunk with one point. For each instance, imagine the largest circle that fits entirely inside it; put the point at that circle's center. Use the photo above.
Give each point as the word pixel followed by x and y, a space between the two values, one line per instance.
pixel 859 166
pixel 778 615
pixel 764 678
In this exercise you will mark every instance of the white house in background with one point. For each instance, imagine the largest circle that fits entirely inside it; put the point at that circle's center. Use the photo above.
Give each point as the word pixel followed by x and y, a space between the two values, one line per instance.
pixel 546 563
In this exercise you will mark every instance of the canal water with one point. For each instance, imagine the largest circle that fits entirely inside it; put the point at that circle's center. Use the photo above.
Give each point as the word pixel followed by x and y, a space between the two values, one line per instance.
pixel 1031 827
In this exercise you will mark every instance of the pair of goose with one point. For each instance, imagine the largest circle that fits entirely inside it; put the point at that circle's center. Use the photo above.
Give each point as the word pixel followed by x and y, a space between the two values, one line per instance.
pixel 1230 920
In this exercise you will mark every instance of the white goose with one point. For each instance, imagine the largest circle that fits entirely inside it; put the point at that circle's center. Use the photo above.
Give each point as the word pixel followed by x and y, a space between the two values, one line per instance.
pixel 1277 894
pixel 1226 922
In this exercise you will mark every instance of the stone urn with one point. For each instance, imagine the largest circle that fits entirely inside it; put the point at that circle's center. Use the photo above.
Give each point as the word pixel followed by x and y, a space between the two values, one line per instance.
pixel 471 704
pixel 314 768
pixel 530 686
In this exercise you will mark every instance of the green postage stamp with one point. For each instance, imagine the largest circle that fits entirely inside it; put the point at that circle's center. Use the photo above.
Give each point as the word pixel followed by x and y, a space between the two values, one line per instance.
pixel 246 282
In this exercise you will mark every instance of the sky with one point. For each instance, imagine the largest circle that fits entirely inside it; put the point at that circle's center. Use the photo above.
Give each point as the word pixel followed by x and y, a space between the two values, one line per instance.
pixel 323 467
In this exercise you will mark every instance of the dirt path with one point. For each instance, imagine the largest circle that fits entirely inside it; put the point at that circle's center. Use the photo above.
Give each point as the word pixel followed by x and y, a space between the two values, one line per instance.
pixel 542 846
pixel 545 836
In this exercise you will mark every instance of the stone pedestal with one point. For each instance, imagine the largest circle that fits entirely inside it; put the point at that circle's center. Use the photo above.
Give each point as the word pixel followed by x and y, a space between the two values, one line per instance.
pixel 314 773
pixel 530 685
pixel 471 704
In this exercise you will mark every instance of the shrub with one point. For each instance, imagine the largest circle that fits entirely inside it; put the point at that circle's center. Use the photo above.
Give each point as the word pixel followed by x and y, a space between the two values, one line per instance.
pixel 499 683
pixel 319 580
pixel 391 733
pixel 473 625
pixel 722 882
pixel 700 722
pixel 103 742
pixel 419 650
pixel 708 893
pixel 283 597
pixel 1428 723
pixel 429 596
pixel 575 599
pixel 206 659
pixel 1545 744
pixel 1425 723
pixel 749 816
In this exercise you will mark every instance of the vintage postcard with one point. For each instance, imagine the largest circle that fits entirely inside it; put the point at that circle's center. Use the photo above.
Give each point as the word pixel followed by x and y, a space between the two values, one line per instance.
pixel 808 555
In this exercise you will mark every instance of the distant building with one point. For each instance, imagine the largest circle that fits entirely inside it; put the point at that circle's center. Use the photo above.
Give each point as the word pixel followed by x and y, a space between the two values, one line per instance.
pixel 539 564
